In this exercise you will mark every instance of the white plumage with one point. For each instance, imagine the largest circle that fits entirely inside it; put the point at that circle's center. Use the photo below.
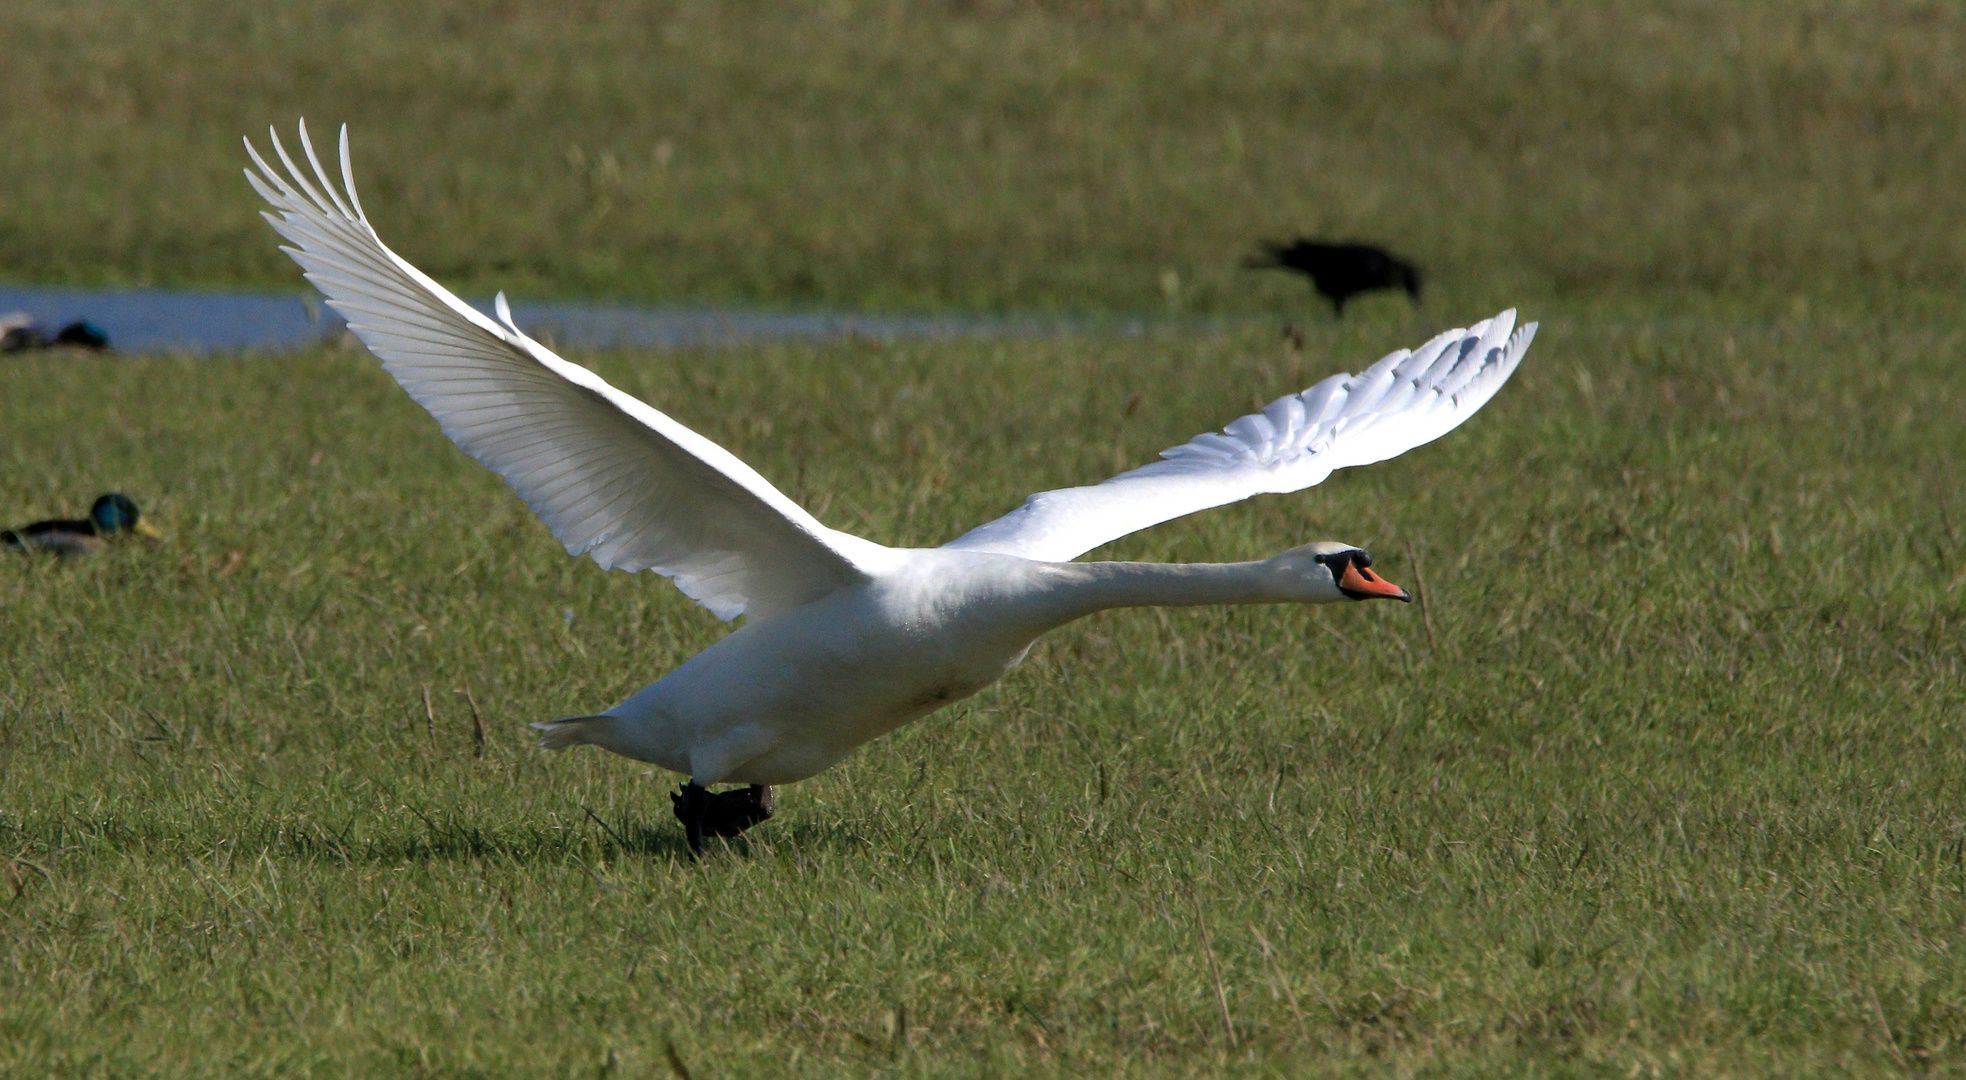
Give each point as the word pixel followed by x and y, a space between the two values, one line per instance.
pixel 844 638
pixel 1406 399
pixel 610 476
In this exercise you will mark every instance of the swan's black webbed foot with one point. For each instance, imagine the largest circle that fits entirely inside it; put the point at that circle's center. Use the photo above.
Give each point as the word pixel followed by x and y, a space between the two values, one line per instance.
pixel 705 813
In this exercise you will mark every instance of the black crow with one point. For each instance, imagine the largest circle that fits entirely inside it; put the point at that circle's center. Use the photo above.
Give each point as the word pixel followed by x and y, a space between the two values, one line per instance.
pixel 1341 271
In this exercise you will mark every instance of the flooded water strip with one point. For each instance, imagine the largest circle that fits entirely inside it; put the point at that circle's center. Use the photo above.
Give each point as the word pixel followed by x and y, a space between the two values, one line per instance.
pixel 164 320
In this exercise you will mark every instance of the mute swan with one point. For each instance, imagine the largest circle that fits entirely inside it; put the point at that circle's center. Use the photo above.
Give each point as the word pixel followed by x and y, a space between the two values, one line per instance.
pixel 844 639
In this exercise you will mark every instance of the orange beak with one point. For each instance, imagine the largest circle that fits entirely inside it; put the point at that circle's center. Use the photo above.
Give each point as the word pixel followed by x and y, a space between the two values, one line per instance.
pixel 1360 583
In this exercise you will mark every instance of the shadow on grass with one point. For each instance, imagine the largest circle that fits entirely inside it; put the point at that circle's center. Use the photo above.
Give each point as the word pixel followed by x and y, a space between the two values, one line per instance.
pixel 436 837
pixel 448 839
pixel 451 840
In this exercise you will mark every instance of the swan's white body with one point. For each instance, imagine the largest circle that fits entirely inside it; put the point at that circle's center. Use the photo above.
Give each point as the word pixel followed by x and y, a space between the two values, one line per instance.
pixel 844 639
pixel 784 698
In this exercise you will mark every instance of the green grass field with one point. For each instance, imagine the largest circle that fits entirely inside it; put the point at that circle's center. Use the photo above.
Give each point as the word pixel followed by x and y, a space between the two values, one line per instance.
pixel 1663 778
pixel 996 154
pixel 1672 783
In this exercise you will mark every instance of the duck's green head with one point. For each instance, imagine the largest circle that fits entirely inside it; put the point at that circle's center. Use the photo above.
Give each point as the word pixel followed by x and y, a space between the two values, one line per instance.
pixel 114 513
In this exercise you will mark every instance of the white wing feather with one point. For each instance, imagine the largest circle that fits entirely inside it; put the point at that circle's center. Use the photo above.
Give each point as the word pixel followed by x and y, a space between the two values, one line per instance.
pixel 610 476
pixel 1405 400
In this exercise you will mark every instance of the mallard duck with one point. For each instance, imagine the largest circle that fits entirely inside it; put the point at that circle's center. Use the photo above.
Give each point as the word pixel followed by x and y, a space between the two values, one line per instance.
pixel 844 639
pixel 112 514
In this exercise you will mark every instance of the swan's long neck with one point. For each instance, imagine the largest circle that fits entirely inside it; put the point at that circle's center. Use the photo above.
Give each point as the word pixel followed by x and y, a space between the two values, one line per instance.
pixel 1080 589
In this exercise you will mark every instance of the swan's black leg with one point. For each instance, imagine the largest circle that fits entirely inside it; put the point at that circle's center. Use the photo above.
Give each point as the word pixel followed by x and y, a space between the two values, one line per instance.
pixel 705 813
pixel 692 803
pixel 732 812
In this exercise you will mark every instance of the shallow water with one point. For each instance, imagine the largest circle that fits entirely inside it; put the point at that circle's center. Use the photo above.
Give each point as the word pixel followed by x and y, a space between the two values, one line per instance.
pixel 157 320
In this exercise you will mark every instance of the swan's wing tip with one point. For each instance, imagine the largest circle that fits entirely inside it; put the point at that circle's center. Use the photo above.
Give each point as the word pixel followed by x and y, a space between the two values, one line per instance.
pixel 610 476
pixel 1294 443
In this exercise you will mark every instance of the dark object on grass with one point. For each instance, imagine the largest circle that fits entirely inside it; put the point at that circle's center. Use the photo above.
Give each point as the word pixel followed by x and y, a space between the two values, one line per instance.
pixel 706 813
pixel 81 334
pixel 111 515
pixel 1341 271
pixel 18 333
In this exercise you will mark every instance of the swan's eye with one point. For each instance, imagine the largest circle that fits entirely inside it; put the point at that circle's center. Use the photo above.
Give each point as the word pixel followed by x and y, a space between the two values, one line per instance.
pixel 1337 561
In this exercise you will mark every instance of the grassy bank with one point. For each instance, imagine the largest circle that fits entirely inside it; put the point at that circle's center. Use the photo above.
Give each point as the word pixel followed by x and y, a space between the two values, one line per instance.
pixel 1664 778
pixel 985 155
pixel 1661 779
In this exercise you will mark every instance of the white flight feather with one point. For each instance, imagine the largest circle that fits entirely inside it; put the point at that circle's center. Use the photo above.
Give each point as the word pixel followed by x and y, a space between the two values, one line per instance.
pixel 611 477
pixel 1405 400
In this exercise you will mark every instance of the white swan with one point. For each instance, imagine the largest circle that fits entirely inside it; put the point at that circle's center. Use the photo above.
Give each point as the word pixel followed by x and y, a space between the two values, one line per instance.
pixel 844 639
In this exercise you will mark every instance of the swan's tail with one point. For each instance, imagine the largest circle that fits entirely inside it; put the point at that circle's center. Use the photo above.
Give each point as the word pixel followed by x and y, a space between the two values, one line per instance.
pixel 572 731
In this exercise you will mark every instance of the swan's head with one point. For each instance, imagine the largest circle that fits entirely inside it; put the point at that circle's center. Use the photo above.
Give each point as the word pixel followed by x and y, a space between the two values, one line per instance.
pixel 1328 571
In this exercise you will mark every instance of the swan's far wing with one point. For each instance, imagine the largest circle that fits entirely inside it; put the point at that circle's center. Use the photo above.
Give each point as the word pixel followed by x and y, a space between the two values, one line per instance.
pixel 610 476
pixel 1403 401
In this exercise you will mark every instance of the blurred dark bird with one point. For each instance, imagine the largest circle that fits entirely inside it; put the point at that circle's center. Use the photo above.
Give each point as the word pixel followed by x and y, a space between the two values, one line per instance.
pixel 1341 271
pixel 18 333
pixel 111 515
pixel 82 335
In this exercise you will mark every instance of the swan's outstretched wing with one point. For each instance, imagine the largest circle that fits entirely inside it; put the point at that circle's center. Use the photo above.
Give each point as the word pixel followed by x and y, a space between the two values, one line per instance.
pixel 1404 400
pixel 612 477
